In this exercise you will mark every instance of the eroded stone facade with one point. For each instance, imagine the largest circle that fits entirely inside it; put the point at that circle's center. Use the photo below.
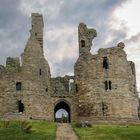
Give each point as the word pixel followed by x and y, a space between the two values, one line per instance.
pixel 103 87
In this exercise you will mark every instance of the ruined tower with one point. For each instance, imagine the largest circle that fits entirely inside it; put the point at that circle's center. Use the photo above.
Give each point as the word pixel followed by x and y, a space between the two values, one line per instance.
pixel 106 82
pixel 85 37
pixel 37 27
pixel 28 83
pixel 33 58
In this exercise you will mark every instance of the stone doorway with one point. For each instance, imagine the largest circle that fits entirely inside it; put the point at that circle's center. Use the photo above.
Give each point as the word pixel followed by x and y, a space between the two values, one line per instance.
pixel 63 110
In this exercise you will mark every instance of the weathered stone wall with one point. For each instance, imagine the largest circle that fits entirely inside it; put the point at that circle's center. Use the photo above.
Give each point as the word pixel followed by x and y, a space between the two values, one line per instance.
pixel 103 88
pixel 39 92
pixel 63 86
pixel 63 90
pixel 93 75
pixel 34 77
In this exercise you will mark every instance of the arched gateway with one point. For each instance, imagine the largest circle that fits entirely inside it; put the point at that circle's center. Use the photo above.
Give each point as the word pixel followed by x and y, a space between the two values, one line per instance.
pixel 62 105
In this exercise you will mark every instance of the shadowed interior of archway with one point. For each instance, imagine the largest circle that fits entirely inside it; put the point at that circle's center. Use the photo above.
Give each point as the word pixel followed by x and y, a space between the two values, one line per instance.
pixel 62 105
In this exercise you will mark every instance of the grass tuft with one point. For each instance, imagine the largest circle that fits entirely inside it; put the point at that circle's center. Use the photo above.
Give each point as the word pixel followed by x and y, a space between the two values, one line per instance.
pixel 25 127
pixel 5 124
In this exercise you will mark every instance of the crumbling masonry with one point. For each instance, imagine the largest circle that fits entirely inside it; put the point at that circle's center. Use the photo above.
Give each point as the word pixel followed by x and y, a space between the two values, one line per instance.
pixel 103 87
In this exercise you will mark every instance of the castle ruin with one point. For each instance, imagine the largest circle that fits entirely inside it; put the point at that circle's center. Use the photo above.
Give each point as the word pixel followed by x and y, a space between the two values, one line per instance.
pixel 103 87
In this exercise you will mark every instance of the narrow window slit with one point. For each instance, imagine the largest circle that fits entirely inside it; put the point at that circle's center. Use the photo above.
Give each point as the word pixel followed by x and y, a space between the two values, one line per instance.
pixel 76 88
pixel 110 85
pixel 82 43
pixel 40 71
pixel 18 85
pixel 20 107
pixel 105 63
pixel 106 85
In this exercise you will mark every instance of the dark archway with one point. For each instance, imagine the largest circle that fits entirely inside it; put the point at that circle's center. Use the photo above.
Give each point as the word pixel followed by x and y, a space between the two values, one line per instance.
pixel 65 106
pixel 20 106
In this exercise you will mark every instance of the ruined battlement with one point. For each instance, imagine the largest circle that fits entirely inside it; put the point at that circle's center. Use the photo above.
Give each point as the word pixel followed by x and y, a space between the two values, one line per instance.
pixel 2 69
pixel 85 36
pixel 37 27
pixel 103 87
pixel 63 86
pixel 117 49
pixel 13 64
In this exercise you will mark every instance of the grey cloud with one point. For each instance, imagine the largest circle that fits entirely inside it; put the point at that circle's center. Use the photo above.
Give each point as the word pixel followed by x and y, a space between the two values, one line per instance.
pixel 134 38
pixel 91 11
pixel 13 29
pixel 15 24
pixel 65 67
pixel 118 36
pixel 8 11
pixel 94 13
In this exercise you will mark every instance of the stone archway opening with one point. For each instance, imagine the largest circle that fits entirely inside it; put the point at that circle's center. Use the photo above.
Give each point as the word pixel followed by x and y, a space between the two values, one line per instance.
pixel 62 112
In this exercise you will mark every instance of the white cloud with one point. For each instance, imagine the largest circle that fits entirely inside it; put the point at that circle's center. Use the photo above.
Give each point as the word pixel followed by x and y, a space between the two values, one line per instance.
pixel 126 19
pixel 49 8
pixel 63 42
pixel 29 6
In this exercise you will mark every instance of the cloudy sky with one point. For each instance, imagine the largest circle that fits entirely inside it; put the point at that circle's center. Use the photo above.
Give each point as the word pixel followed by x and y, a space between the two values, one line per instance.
pixel 114 20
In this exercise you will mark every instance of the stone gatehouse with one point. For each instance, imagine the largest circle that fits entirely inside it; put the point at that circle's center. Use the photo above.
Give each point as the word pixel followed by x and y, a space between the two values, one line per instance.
pixel 103 87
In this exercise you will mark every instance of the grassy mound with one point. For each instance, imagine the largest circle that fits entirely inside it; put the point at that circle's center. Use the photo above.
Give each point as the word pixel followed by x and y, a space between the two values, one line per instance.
pixel 108 132
pixel 34 130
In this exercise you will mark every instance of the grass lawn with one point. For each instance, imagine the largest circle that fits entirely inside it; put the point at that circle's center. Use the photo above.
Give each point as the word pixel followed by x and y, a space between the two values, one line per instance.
pixel 109 132
pixel 41 130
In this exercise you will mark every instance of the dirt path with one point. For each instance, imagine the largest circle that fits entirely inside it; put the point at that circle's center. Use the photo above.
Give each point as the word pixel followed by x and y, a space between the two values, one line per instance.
pixel 65 132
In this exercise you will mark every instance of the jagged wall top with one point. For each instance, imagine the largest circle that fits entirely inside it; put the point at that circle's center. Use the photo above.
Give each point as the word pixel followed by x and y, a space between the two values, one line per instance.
pixel 37 27
pixel 86 35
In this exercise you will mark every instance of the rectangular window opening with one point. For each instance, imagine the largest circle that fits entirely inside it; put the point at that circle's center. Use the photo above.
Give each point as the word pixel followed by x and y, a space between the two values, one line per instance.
pixel 18 85
pixel 106 85
pixel 20 107
pixel 105 63
pixel 40 72
pixel 110 85
pixel 82 43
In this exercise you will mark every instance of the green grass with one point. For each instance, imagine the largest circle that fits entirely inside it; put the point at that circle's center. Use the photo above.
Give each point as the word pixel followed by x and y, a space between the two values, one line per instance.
pixel 109 132
pixel 41 130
